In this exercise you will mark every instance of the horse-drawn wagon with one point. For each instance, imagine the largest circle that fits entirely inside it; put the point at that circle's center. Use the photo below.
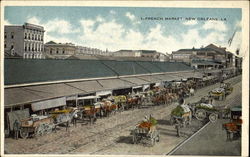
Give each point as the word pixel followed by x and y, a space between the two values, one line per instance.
pixel 147 131
pixel 36 125
pixel 234 126
pixel 221 92
pixel 181 114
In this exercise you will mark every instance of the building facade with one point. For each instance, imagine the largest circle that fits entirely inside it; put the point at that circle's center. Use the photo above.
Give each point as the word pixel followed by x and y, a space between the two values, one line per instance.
pixel 59 50
pixel 26 41
pixel 127 53
pixel 211 53
pixel 81 50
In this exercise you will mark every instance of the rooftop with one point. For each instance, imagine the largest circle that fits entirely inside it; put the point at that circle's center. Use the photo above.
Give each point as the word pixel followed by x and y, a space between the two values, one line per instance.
pixel 24 71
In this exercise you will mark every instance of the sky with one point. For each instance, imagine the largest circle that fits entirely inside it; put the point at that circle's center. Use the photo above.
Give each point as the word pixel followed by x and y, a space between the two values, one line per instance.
pixel 115 28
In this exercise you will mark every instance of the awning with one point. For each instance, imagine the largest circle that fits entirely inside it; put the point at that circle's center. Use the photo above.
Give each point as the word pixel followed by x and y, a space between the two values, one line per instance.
pixel 14 96
pixel 150 79
pixel 88 86
pixel 136 87
pixel 135 80
pixel 166 77
pixel 52 103
pixel 54 90
pixel 102 93
pixel 115 83
pixel 88 97
pixel 24 95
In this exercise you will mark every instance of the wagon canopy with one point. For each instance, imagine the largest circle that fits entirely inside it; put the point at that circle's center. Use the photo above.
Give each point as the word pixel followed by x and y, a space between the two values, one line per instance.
pixel 17 115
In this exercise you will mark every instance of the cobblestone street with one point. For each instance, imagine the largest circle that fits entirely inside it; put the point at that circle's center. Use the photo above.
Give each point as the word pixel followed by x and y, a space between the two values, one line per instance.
pixel 112 135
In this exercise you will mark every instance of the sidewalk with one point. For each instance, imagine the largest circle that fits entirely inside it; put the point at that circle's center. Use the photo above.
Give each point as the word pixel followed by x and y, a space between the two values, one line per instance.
pixel 211 141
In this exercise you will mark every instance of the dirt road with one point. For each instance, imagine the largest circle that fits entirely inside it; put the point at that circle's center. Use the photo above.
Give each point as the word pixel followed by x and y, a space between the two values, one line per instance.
pixel 112 135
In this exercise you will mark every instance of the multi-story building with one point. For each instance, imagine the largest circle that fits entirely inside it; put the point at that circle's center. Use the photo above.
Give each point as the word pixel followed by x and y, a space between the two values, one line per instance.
pixel 25 41
pixel 59 50
pixel 209 53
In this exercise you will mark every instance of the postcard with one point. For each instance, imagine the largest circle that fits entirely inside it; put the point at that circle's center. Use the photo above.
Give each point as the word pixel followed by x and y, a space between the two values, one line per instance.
pixel 124 78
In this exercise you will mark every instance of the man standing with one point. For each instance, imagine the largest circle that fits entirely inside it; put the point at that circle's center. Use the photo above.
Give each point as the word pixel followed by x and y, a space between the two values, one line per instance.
pixel 16 128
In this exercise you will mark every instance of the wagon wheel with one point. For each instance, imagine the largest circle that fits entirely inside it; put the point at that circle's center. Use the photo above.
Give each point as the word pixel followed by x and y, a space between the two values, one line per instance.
pixel 49 128
pixel 153 138
pixel 40 130
pixel 213 117
pixel 200 114
pixel 158 137
pixel 24 133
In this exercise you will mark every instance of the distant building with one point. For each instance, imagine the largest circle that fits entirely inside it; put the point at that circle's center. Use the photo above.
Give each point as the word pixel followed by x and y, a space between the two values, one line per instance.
pixel 81 50
pixel 25 41
pixel 127 53
pixel 149 55
pixel 59 50
pixel 211 53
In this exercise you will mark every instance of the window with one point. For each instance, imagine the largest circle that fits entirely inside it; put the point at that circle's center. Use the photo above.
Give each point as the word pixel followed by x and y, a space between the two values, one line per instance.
pixel 51 51
pixel 25 35
pixel 57 51
pixel 5 45
pixel 32 37
pixel 12 46
pixel 29 36
pixel 63 51
pixel 12 35
pixel 5 35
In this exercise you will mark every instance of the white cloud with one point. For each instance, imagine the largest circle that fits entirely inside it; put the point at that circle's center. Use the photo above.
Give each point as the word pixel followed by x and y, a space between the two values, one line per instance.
pixel 6 22
pixel 99 19
pixel 190 22
pixel 238 24
pixel 55 25
pixel 236 43
pixel 112 12
pixel 115 36
pixel 34 20
pixel 215 25
pixel 130 16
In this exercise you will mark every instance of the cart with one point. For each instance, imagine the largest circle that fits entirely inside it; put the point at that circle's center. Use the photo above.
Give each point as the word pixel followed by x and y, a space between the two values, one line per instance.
pixel 36 126
pixel 145 131
pixel 234 126
pixel 181 113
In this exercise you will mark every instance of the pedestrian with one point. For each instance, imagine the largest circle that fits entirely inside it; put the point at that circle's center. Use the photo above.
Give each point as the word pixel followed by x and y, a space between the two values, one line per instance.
pixel 210 98
pixel 177 127
pixel 16 128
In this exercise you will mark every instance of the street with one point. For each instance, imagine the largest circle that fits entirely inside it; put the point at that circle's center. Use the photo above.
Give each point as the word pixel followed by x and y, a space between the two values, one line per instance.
pixel 111 135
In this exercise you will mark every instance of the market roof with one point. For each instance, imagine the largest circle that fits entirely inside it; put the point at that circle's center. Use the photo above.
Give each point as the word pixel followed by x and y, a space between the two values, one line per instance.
pixel 24 71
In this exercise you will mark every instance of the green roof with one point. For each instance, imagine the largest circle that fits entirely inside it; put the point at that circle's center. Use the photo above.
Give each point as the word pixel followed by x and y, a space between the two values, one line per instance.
pixel 126 67
pixel 20 71
pixel 172 66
